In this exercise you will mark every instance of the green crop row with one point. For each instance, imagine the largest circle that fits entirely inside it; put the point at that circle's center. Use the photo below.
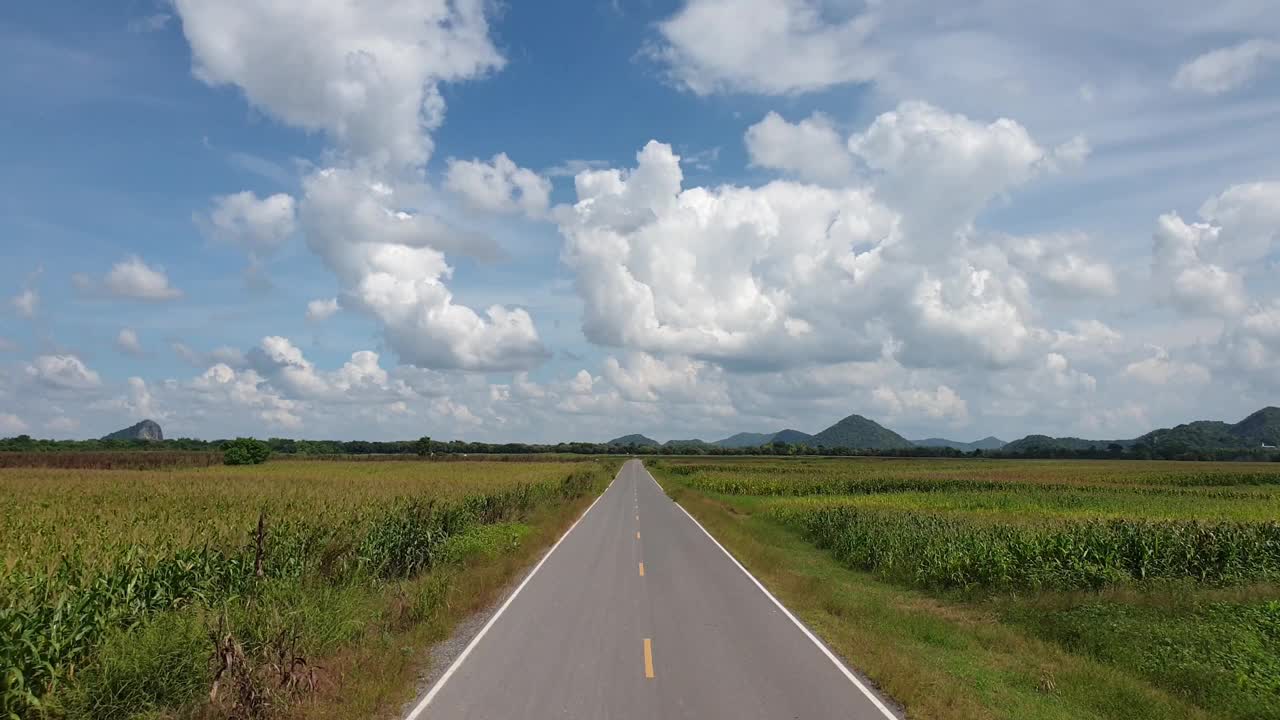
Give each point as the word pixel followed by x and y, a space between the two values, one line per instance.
pixel 937 551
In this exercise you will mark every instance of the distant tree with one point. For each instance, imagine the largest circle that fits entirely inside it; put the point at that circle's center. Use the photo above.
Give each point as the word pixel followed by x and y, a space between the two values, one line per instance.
pixel 245 451
pixel 1115 448
pixel 423 446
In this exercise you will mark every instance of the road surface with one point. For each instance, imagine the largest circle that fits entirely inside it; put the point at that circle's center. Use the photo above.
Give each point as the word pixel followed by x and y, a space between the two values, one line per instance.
pixel 638 614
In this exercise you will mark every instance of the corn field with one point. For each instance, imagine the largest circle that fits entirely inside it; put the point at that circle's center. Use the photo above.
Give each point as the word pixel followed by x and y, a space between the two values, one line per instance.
pixel 1166 573
pixel 87 551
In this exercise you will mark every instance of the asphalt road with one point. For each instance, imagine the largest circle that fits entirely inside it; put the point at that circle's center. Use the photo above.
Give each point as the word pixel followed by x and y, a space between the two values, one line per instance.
pixel 637 613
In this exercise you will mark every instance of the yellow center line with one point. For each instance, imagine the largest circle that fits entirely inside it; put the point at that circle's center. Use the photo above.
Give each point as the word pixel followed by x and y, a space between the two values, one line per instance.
pixel 641 569
pixel 648 659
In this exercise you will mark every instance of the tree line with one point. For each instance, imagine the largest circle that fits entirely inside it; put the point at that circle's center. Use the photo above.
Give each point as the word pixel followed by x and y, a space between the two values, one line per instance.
pixel 426 446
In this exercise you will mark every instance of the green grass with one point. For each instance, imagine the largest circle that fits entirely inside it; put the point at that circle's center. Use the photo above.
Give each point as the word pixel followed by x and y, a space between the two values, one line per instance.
pixel 1221 656
pixel 1019 589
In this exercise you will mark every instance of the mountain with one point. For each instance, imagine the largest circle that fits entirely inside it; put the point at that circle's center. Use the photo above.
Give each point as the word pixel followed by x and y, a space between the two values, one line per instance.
pixel 1262 427
pixel 145 430
pixel 1041 443
pixel 792 437
pixel 745 440
pixel 987 443
pixel 695 443
pixel 634 439
pixel 858 433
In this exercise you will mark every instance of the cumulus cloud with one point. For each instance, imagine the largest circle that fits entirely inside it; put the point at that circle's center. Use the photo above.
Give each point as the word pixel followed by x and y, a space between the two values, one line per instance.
pixel 811 149
pixel 1058 262
pixel 247 389
pixel 791 273
pixel 127 342
pixel 367 74
pixel 138 401
pixel 945 167
pixel 392 267
pixel 1160 369
pixel 130 279
pixel 25 303
pixel 1226 69
pixel 773 47
pixel 499 186
pixel 258 225
pixel 320 310
pixel 1200 266
pixel 63 372
pixel 940 403
pixel 644 250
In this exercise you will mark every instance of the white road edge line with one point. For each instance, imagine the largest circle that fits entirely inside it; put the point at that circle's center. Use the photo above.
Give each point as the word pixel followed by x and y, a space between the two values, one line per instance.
pixel 825 651
pixel 422 706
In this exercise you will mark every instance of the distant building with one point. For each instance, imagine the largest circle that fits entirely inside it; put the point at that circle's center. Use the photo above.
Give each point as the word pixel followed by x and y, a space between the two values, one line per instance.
pixel 1268 447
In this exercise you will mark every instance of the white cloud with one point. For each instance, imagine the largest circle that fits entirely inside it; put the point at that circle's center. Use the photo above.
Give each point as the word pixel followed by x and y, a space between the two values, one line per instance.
pixel 392 267
pixel 1249 215
pixel 320 310
pixel 969 315
pixel 25 303
pixel 246 389
pixel 811 149
pixel 127 342
pixel 1160 369
pixel 139 403
pixel 11 424
pixel 1226 69
pixel 789 273
pixel 1088 337
pixel 65 372
pixel 773 47
pixel 131 279
pixel 259 225
pixel 499 186
pixel 367 74
pixel 722 274
pixel 945 167
pixel 1201 266
pixel 940 403
pixel 640 377
pixel 1056 260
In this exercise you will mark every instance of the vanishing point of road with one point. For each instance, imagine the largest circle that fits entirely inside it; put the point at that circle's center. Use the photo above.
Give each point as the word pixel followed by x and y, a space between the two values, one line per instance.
pixel 638 614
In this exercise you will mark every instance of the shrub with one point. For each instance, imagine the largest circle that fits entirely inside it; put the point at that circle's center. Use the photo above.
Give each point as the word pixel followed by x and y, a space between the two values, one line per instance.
pixel 245 451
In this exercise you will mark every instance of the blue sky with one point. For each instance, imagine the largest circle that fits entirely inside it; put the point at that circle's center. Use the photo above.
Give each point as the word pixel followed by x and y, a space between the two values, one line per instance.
pixel 959 219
